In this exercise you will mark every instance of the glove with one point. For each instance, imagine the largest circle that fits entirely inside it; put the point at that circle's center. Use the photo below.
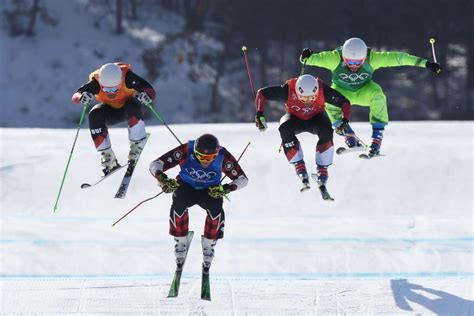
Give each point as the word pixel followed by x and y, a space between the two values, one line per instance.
pixel 260 121
pixel 144 98
pixel 218 191
pixel 84 98
pixel 435 67
pixel 306 53
pixel 168 185
pixel 340 130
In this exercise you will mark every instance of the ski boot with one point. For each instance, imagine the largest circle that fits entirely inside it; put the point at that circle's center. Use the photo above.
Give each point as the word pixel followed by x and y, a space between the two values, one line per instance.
pixel 180 250
pixel 108 161
pixel 300 169
pixel 349 138
pixel 136 148
pixel 207 251
pixel 322 175
pixel 377 136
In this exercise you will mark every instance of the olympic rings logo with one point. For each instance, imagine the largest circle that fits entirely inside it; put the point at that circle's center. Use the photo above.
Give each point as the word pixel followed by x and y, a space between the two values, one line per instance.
pixel 304 110
pixel 354 77
pixel 201 175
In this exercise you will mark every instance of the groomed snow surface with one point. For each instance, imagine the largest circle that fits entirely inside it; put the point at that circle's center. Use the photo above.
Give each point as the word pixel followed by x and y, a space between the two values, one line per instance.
pixel 397 240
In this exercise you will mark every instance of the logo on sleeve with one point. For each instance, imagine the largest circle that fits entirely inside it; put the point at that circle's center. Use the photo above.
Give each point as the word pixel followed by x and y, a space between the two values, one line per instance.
pixel 228 165
pixel 177 155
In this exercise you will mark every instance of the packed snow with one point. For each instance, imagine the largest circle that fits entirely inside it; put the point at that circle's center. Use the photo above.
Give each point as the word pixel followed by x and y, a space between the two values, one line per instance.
pixel 397 240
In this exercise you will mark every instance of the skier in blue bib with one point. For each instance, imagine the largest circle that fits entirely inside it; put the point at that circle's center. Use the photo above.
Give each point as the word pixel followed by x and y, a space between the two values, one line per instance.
pixel 202 162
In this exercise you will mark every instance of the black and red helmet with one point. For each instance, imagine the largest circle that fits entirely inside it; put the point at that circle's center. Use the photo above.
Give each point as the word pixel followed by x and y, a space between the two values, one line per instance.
pixel 206 148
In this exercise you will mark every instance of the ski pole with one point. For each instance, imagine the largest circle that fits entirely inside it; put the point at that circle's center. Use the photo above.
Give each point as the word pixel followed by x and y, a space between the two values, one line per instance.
pixel 248 144
pixel 432 41
pixel 249 73
pixel 357 138
pixel 70 156
pixel 238 159
pixel 163 121
pixel 136 206
pixel 302 67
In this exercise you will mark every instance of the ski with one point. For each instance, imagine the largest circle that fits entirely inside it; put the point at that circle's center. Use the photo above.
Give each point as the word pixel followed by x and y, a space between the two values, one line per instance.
pixel 324 193
pixel 174 288
pixel 122 190
pixel 205 284
pixel 304 182
pixel 88 185
pixel 369 156
pixel 345 150
pixel 305 187
pixel 322 188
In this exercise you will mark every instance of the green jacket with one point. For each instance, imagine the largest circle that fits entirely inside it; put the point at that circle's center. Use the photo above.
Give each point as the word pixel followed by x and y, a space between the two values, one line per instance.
pixel 342 76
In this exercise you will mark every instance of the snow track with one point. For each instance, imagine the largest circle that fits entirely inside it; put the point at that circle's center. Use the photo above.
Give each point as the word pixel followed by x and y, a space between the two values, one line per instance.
pixel 398 240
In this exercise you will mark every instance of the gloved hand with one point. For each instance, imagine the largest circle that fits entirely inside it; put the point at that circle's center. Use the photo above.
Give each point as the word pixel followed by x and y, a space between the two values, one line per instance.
pixel 218 191
pixel 435 67
pixel 144 98
pixel 168 185
pixel 306 53
pixel 84 98
pixel 340 130
pixel 260 121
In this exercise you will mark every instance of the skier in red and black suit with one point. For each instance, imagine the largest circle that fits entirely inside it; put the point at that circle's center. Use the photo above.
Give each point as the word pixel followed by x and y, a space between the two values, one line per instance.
pixel 121 93
pixel 304 99
pixel 202 162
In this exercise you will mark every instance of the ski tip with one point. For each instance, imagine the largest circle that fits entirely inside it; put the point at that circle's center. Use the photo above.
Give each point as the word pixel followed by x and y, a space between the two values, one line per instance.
pixel 85 185
pixel 305 189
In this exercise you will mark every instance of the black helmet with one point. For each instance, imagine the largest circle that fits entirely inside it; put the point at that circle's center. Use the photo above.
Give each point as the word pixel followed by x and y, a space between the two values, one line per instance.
pixel 206 147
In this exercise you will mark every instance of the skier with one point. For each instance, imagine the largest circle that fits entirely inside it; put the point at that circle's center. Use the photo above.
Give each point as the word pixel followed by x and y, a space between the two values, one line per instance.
pixel 352 66
pixel 121 92
pixel 304 98
pixel 202 162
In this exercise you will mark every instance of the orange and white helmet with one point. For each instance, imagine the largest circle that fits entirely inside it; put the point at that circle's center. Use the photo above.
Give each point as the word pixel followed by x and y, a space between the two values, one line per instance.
pixel 307 88
pixel 110 75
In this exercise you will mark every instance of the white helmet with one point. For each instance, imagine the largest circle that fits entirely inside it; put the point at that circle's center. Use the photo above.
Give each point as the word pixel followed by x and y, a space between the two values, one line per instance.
pixel 110 75
pixel 354 48
pixel 307 86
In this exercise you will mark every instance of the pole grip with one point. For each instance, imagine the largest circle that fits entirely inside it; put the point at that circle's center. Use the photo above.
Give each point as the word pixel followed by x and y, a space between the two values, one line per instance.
pixel 432 42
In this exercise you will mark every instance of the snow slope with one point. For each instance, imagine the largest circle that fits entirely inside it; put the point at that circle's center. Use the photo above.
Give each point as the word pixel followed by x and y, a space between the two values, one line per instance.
pixel 398 240
pixel 41 73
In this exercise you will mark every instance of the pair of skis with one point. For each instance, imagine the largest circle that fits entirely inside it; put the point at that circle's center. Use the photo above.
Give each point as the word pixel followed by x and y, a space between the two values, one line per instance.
pixel 340 151
pixel 364 155
pixel 130 165
pixel 205 283
pixel 322 188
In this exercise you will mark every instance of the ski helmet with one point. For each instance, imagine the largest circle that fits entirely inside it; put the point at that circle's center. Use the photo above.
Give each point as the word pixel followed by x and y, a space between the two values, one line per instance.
pixel 354 48
pixel 206 148
pixel 307 88
pixel 110 75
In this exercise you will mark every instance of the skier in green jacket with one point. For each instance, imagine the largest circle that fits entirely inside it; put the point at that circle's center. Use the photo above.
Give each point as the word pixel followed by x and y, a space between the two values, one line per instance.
pixel 352 66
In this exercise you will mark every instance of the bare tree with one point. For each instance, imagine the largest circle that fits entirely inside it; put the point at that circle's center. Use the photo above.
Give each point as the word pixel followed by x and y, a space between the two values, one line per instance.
pixel 33 14
pixel 119 17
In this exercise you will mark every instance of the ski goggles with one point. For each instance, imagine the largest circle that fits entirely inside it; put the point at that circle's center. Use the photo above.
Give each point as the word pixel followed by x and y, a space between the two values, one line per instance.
pixel 307 99
pixel 110 89
pixel 205 158
pixel 353 62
